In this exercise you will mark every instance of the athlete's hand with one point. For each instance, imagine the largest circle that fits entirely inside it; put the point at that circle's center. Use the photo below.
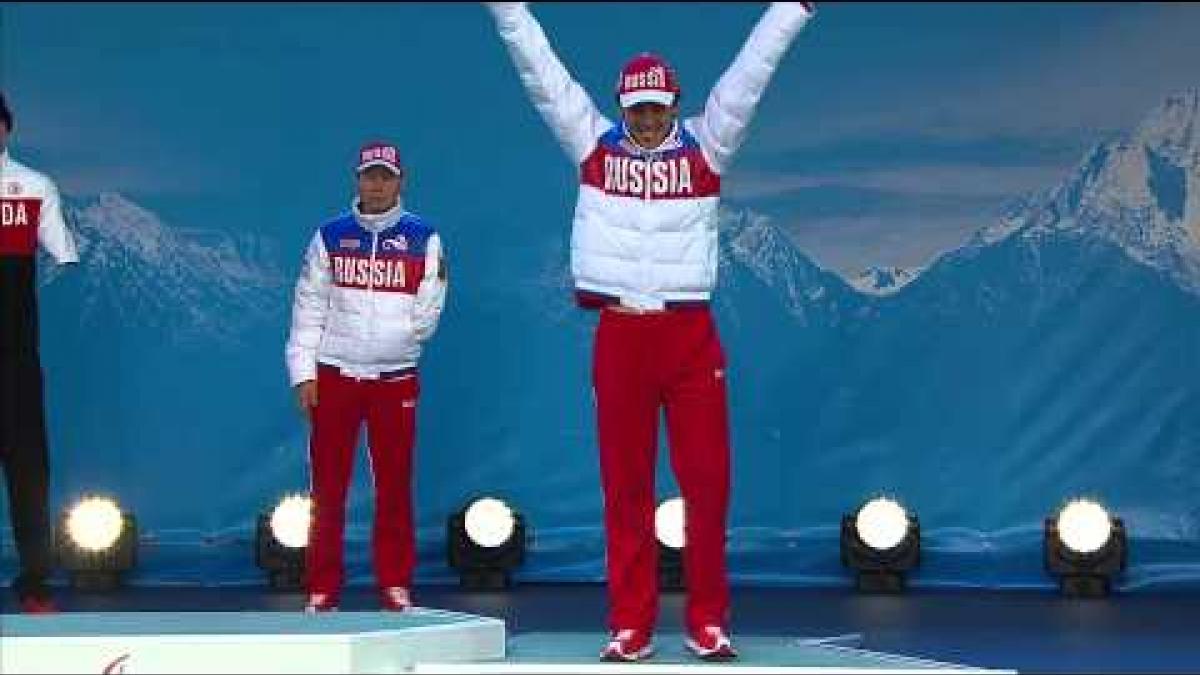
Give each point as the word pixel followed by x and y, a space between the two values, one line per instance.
pixel 500 10
pixel 306 397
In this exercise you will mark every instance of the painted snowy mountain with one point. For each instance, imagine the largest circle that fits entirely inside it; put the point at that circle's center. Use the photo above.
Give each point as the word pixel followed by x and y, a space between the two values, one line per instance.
pixel 884 280
pixel 138 272
pixel 752 247
pixel 1140 191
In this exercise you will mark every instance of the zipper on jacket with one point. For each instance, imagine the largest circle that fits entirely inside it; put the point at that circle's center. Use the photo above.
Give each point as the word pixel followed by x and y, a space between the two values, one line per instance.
pixel 647 237
pixel 374 247
pixel 371 288
pixel 649 176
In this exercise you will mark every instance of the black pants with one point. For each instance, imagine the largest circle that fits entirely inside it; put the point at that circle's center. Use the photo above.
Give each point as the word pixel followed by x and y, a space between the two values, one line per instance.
pixel 26 468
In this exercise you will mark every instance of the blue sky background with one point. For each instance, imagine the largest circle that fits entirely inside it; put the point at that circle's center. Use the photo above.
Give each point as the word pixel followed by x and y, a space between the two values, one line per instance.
pixel 889 134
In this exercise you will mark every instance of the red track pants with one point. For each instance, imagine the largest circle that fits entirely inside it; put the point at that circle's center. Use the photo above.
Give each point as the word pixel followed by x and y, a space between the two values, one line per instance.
pixel 389 408
pixel 671 360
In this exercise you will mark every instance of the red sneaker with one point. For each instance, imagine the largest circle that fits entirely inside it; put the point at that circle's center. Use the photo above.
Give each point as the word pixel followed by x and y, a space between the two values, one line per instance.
pixel 38 604
pixel 628 645
pixel 711 643
pixel 395 599
pixel 321 602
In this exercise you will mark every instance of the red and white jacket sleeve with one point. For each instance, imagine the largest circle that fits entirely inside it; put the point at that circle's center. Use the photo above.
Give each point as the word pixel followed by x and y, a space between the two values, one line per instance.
pixel 310 308
pixel 730 106
pixel 562 101
pixel 431 293
pixel 52 233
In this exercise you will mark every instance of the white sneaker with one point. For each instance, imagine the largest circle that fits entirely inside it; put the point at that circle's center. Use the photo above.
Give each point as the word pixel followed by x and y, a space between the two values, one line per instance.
pixel 711 643
pixel 628 645
pixel 395 599
pixel 320 602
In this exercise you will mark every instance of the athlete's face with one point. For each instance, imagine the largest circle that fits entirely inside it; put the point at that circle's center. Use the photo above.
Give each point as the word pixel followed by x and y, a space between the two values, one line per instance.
pixel 649 123
pixel 378 189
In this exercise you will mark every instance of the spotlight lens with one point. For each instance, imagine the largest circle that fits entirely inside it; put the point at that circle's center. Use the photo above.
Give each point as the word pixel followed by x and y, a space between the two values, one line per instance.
pixel 668 523
pixel 94 524
pixel 290 521
pixel 881 524
pixel 490 523
pixel 1084 526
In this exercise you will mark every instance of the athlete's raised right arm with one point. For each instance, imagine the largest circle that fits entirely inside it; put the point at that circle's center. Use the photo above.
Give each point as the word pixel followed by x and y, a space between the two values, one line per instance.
pixel 562 102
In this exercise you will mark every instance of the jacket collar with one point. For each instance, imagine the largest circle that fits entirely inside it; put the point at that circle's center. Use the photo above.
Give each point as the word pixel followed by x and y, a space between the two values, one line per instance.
pixel 671 142
pixel 378 222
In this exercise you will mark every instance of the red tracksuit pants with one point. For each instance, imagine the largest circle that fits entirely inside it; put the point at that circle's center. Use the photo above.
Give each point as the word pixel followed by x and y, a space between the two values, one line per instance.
pixel 673 361
pixel 389 408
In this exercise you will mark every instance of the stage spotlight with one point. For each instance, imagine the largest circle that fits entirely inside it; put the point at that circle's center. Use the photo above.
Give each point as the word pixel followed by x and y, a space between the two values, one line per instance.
pixel 881 542
pixel 281 540
pixel 668 530
pixel 485 542
pixel 96 543
pixel 1085 548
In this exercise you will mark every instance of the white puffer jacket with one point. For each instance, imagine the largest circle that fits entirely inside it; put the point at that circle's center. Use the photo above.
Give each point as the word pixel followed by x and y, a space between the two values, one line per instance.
pixel 371 292
pixel 31 214
pixel 645 230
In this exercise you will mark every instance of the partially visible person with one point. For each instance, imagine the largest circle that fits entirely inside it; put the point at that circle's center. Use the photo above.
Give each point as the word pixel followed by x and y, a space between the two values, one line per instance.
pixel 30 215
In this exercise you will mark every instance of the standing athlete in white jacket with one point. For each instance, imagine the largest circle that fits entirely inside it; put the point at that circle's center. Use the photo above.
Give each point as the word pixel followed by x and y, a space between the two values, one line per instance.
pixel 371 292
pixel 644 252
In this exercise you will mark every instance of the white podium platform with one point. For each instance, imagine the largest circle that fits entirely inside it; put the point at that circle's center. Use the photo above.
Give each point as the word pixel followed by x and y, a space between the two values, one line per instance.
pixel 245 642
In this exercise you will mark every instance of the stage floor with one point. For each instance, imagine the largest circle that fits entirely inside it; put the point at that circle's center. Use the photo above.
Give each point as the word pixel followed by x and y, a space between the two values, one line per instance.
pixel 566 652
pixel 1032 631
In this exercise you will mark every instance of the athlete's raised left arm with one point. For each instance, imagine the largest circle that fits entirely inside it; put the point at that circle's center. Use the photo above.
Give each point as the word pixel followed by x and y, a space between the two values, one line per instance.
pixel 730 106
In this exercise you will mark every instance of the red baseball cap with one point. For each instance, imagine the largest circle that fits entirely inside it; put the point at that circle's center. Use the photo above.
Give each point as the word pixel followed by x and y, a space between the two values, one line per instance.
pixel 647 78
pixel 379 154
